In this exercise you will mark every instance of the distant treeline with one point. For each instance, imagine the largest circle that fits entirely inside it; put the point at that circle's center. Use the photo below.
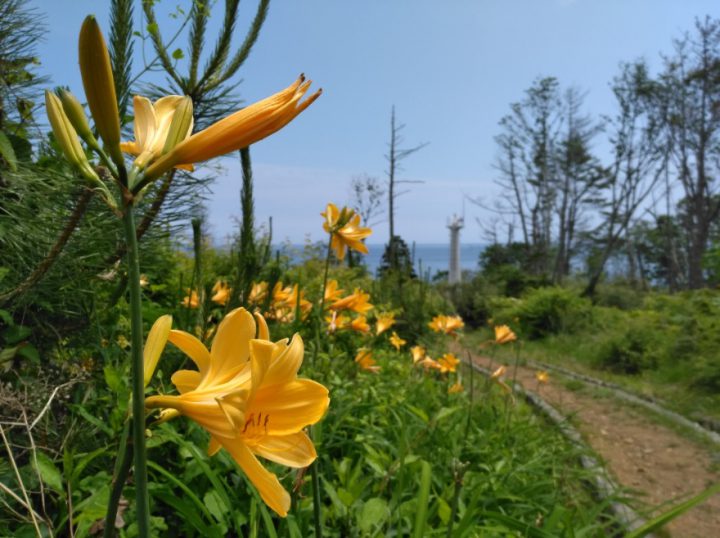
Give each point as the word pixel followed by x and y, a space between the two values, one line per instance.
pixel 650 197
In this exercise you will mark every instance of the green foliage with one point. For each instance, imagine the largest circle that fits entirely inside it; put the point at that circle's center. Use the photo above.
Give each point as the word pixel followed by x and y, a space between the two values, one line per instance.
pixel 629 350
pixel 397 259
pixel 545 311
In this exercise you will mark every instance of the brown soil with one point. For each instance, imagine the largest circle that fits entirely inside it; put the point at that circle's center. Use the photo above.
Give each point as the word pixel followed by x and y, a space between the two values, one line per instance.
pixel 656 464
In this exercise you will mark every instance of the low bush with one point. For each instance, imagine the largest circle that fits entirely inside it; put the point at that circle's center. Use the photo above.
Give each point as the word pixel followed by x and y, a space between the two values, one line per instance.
pixel 546 311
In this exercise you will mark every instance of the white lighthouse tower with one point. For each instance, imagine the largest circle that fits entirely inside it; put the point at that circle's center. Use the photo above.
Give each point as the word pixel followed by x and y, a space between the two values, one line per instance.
pixel 454 225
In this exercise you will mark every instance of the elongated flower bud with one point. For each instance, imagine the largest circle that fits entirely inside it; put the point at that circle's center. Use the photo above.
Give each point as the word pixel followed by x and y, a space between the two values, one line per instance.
pixel 100 86
pixel 154 345
pixel 67 137
pixel 76 114
pixel 181 125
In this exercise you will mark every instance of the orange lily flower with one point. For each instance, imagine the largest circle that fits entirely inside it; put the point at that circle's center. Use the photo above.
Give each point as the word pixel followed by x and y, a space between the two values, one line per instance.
pixel 446 324
pixel 365 359
pixel 222 293
pixel 383 323
pixel 503 334
pixel 345 230
pixel 396 341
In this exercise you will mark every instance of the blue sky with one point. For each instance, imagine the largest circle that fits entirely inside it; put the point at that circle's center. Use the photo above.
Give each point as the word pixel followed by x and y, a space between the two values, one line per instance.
pixel 450 68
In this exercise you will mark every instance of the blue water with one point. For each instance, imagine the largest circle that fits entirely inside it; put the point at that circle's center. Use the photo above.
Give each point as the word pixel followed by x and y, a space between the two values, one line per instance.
pixel 431 257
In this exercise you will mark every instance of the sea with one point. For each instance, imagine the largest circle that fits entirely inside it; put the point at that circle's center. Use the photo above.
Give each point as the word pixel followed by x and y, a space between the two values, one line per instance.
pixel 429 258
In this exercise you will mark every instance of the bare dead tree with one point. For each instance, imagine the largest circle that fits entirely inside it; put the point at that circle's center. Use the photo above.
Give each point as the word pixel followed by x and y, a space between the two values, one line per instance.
pixel 528 167
pixel 639 157
pixel 579 178
pixel 691 83
pixel 367 194
pixel 396 154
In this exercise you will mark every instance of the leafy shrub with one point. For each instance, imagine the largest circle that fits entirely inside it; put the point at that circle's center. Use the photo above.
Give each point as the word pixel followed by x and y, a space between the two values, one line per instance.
pixel 552 310
pixel 627 352
pixel 707 375
pixel 618 296
pixel 472 300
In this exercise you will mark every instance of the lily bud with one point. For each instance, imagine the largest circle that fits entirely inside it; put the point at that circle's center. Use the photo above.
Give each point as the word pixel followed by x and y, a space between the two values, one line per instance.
pixel 99 86
pixel 181 125
pixel 154 345
pixel 75 113
pixel 67 137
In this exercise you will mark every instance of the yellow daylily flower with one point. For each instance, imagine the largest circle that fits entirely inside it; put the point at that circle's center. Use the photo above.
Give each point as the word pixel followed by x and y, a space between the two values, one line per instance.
pixel 396 341
pixel 430 364
pixel 357 302
pixel 455 388
pixel 542 376
pixel 365 359
pixel 497 376
pixel 383 323
pixel 191 300
pixel 222 293
pixel 152 128
pixel 360 324
pixel 336 322
pixel 418 353
pixel 285 302
pixel 332 291
pixel 503 334
pixel 448 363
pixel 446 324
pixel 239 130
pixel 258 293
pixel 345 230
pixel 246 394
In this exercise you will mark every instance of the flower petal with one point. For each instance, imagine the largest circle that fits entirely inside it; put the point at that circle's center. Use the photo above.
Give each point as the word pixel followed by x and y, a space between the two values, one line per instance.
pixel 291 406
pixel 145 124
pixel 263 331
pixel 285 364
pixel 214 446
pixel 261 355
pixel 230 350
pixel 164 110
pixel 193 348
pixel 154 345
pixel 130 147
pixel 186 380
pixel 295 450
pixel 266 482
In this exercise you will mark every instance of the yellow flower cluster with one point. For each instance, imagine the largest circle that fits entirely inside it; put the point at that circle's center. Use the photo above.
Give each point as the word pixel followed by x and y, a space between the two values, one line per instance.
pixel 446 324
pixel 340 308
pixel 284 301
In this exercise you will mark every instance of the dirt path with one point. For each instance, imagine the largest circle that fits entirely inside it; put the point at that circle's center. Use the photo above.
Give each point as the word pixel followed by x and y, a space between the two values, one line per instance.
pixel 657 464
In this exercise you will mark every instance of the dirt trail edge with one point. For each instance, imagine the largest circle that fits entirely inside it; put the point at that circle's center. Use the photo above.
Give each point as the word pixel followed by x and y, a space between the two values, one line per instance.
pixel 657 464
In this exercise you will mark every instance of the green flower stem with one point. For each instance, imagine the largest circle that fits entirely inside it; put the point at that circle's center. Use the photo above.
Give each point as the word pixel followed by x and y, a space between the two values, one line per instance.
pixel 325 276
pixel 138 384
pixel 317 515
pixel 122 468
pixel 314 472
